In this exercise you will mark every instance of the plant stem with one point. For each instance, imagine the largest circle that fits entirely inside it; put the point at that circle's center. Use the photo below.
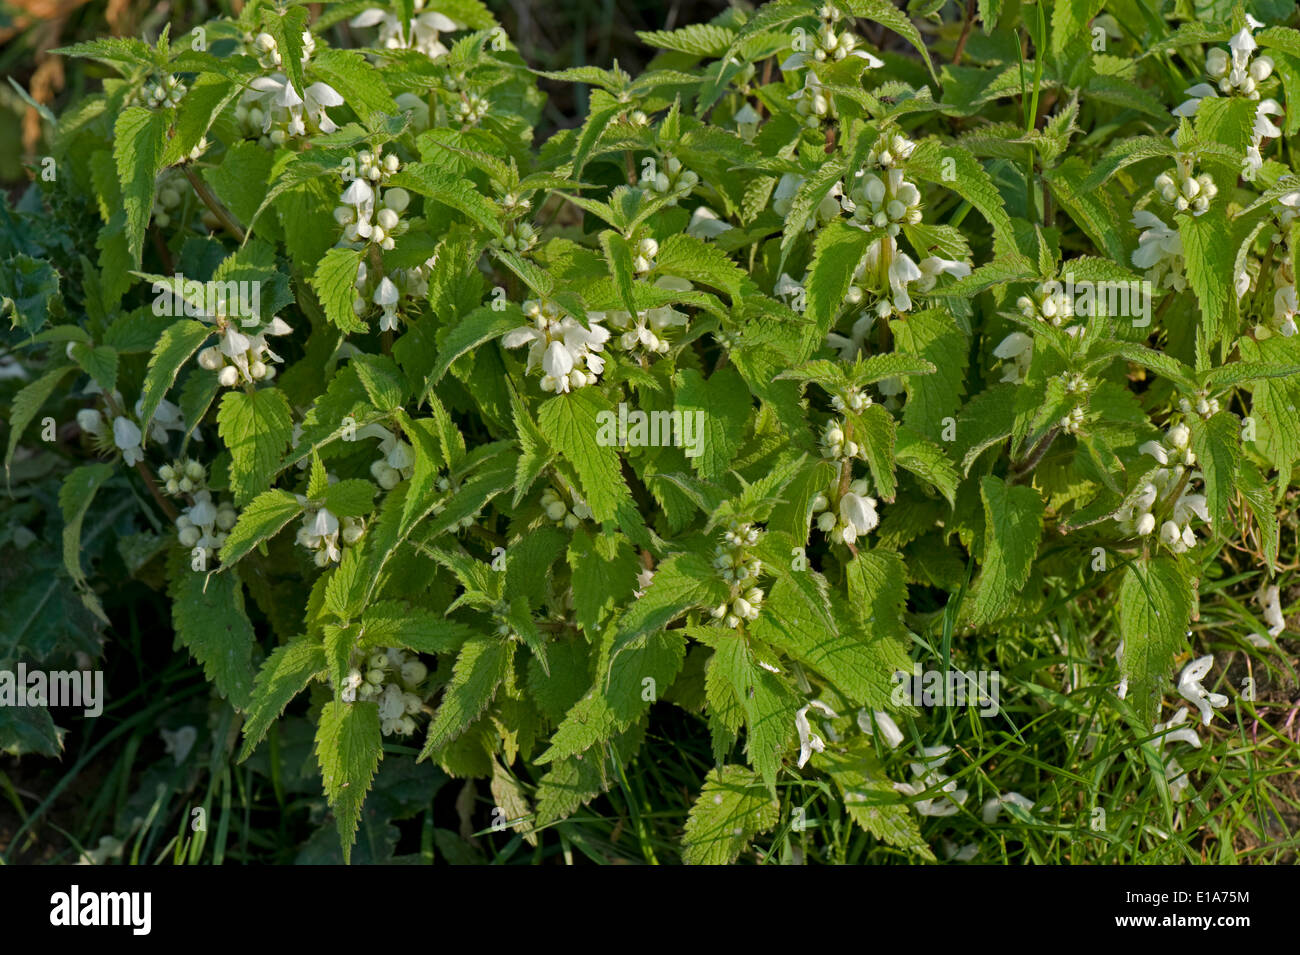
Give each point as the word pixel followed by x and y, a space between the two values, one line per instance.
pixel 223 215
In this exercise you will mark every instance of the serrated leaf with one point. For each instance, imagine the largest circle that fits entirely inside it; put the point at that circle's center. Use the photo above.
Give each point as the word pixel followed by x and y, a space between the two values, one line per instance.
pixel 177 345
pixel 256 427
pixel 1155 602
pixel 733 807
pixel 349 746
pixel 283 675
pixel 209 619
pixel 479 670
pixel 1013 526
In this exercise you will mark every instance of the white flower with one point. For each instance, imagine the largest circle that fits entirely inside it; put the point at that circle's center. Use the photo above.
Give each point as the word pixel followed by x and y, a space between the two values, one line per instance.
pixel 705 224
pixel 993 806
pixel 783 197
pixel 126 435
pixel 1272 606
pixel 1017 350
pixel 889 730
pixel 1190 688
pixel 859 512
pixel 421 34
pixel 316 97
pixel 386 297
pixel 90 421
pixel 929 777
pixel 1184 734
pixel 1156 450
pixel 569 355
pixel 810 742
pixel 933 266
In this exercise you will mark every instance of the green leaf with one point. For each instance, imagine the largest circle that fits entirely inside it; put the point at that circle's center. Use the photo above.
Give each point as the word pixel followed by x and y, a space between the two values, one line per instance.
pixel 720 406
pixel 177 345
pixel 452 191
pixel 934 336
pixel 571 424
pixel 768 703
pixel 349 746
pixel 28 402
pixel 479 326
pixel 352 497
pixel 208 616
pixel 335 284
pixel 264 517
pixel 481 666
pixel 1218 455
pixel 1013 526
pixel 284 674
pixel 869 796
pixel 927 461
pixel 139 141
pixel 100 363
pixel 838 251
pixel 733 808
pixel 1209 257
pixel 256 426
pixel 75 495
pixel 1155 603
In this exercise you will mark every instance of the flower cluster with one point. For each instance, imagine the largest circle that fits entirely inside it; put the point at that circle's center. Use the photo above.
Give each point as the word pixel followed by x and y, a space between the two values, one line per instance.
pixel 1286 305
pixel 472 108
pixel 204 524
pixel 167 198
pixel 185 476
pixel 887 202
pixel 928 776
pixel 365 220
pixel 324 534
pixel 267 51
pixel 273 110
pixel 889 149
pixel 672 177
pixel 392 678
pixel 1238 72
pixel 561 512
pixel 1184 191
pixel 169 91
pixel 829 42
pixel 1159 252
pixel 568 354
pixel 388 291
pixel 1204 406
pixel 855 515
pixel 740 570
pixel 1169 490
pixel 397 458
pixel 647 332
pixel 421 33
pixel 838 447
pixel 240 355
pixel 1049 303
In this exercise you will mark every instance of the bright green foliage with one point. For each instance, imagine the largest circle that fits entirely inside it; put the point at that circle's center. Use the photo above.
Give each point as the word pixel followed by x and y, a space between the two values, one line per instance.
pixel 779 372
